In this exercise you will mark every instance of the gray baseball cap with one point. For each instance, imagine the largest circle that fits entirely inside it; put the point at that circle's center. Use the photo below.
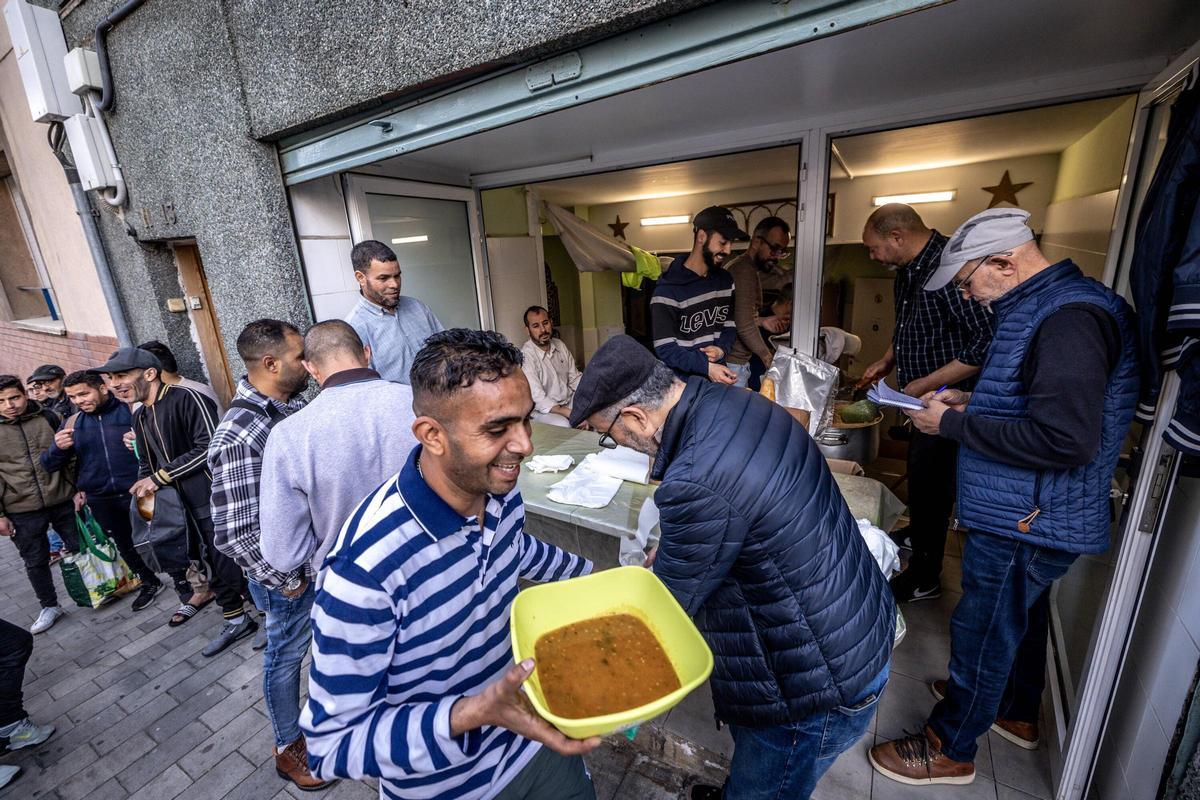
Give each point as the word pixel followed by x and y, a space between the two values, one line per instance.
pixel 129 358
pixel 987 233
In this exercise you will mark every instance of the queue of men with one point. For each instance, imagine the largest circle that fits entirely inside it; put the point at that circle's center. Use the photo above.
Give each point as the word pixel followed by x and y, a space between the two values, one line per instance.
pixel 379 524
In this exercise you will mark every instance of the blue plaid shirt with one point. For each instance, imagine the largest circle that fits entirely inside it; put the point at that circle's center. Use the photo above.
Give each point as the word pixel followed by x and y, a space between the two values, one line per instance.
pixel 934 328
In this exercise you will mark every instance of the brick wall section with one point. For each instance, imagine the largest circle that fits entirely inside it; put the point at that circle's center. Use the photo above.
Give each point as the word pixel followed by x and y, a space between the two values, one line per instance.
pixel 22 350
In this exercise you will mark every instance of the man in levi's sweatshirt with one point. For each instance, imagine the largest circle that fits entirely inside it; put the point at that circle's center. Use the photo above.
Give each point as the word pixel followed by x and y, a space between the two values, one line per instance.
pixel 691 313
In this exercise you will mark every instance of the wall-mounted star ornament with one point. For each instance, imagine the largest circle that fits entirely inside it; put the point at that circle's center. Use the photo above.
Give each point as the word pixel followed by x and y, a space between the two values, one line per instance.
pixel 618 228
pixel 1005 191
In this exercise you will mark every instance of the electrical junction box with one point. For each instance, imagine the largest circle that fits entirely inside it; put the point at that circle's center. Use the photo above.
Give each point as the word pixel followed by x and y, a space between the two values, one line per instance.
pixel 38 44
pixel 83 71
pixel 91 160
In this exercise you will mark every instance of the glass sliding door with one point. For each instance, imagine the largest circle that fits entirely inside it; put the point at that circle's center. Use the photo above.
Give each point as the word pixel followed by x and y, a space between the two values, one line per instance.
pixel 434 231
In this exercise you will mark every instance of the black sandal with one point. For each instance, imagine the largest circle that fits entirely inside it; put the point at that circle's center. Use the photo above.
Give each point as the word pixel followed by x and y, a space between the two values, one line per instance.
pixel 187 611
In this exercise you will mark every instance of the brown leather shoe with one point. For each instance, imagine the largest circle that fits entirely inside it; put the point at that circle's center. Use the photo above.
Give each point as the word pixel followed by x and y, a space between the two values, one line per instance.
pixel 1022 734
pixel 917 760
pixel 291 763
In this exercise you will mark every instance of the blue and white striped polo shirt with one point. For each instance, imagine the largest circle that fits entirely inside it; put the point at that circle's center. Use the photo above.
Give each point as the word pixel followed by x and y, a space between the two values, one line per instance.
pixel 411 614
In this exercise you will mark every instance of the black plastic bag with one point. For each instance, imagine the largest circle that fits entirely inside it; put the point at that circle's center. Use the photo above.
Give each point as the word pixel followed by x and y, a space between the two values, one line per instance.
pixel 163 541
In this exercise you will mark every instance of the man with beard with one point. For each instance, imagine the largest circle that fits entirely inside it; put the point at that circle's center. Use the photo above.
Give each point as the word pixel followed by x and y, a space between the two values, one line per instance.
pixel 48 379
pixel 174 426
pixel 939 341
pixel 550 368
pixel 767 246
pixel 691 312
pixel 393 326
pixel 273 352
pixel 759 547
pixel 105 467
pixel 412 677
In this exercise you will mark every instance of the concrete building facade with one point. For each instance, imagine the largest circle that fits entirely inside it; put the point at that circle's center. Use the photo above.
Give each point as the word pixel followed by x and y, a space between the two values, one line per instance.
pixel 48 285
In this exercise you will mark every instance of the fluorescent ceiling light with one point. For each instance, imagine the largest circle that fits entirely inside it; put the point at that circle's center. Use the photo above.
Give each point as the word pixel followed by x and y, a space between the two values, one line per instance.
pixel 676 220
pixel 411 239
pixel 918 197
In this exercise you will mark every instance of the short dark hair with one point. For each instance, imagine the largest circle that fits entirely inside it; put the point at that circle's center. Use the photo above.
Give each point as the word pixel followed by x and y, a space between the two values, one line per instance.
pixel 92 379
pixel 530 310
pixel 11 381
pixel 771 223
pixel 367 251
pixel 162 353
pixel 263 337
pixel 329 338
pixel 453 360
pixel 895 216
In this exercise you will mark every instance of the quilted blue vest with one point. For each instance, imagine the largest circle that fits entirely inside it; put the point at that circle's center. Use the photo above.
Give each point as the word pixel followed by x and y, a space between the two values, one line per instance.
pixel 1065 509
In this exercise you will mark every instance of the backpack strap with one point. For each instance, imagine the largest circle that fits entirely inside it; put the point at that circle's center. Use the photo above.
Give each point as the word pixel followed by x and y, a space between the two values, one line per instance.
pixel 272 414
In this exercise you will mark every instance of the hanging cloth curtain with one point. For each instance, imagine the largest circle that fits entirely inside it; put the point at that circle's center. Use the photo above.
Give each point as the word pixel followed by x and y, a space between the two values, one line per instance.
pixel 1165 275
pixel 592 250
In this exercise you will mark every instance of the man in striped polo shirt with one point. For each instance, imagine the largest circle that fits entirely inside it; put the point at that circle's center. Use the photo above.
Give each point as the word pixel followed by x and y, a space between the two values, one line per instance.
pixel 412 677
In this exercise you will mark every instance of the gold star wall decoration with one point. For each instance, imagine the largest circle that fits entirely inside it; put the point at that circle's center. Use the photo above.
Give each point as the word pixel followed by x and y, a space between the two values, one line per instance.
pixel 618 228
pixel 1005 191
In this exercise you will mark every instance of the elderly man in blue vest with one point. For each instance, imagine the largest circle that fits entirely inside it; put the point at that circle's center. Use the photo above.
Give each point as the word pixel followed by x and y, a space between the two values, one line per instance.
pixel 1039 439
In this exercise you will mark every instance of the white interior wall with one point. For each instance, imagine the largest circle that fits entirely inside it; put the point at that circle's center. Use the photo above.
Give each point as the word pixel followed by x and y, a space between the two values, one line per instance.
pixel 1080 229
pixel 853 205
pixel 319 210
pixel 1162 659
pixel 516 276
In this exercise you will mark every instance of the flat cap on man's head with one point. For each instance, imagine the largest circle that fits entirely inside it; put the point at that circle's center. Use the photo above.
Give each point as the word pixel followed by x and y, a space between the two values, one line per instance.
pixel 129 358
pixel 620 366
pixel 987 233
pixel 47 372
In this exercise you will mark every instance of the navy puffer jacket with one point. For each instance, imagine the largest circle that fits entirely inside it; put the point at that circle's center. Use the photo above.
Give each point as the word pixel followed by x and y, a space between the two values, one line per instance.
pixel 759 546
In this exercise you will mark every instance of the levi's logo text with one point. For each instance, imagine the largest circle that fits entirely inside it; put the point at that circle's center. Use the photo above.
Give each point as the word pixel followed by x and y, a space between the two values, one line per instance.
pixel 702 320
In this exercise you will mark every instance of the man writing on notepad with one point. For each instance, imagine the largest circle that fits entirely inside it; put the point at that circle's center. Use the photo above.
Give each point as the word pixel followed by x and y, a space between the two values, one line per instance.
pixel 940 340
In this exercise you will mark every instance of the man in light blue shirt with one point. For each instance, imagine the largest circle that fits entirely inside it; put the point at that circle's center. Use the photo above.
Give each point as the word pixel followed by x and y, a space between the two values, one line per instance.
pixel 394 327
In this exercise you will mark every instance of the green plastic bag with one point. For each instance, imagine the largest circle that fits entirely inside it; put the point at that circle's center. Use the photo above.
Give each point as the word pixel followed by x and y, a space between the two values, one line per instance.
pixel 97 573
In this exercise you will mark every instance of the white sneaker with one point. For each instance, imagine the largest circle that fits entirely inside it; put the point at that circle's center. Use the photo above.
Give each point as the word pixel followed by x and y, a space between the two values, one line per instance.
pixel 7 773
pixel 47 618
pixel 24 733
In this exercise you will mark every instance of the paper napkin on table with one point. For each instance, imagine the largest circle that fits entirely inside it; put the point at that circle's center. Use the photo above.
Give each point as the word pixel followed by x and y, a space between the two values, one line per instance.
pixel 549 463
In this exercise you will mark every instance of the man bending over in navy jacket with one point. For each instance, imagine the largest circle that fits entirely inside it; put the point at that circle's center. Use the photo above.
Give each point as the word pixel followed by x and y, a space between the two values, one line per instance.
pixel 760 548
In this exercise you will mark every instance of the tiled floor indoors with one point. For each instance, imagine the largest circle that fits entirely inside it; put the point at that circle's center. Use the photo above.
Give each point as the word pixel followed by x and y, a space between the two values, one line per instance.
pixel 141 715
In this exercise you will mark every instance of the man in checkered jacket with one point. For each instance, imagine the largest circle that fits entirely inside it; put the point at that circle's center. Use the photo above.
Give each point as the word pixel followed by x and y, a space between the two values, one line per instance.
pixel 273 352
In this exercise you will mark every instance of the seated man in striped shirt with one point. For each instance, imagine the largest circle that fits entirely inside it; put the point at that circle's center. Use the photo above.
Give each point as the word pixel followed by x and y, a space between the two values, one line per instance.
pixel 412 677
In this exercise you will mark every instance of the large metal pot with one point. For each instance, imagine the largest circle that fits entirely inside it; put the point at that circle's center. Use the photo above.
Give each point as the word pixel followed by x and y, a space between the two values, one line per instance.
pixel 858 443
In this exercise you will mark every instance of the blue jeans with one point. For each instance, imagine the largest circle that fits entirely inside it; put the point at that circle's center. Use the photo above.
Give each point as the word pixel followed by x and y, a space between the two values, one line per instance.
pixel 787 761
pixel 56 542
pixel 997 639
pixel 743 374
pixel 289 633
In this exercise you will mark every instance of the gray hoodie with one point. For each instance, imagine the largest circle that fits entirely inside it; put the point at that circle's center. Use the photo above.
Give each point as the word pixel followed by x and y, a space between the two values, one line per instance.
pixel 323 460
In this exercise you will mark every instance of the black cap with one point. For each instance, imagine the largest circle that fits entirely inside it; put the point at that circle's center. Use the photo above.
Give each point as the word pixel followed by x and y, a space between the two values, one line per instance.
pixel 618 367
pixel 719 219
pixel 47 372
pixel 129 358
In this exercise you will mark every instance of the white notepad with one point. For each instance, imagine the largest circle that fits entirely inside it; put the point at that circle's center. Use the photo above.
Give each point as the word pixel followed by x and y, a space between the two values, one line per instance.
pixel 884 395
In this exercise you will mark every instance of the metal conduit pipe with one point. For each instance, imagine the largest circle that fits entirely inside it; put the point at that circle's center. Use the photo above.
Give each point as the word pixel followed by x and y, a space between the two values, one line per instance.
pixel 103 268
pixel 121 12
pixel 91 235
